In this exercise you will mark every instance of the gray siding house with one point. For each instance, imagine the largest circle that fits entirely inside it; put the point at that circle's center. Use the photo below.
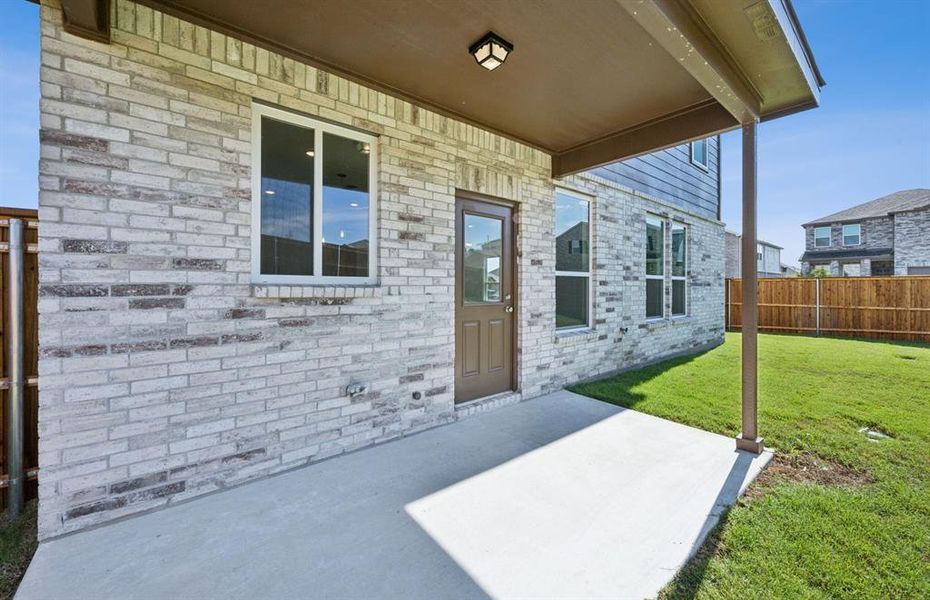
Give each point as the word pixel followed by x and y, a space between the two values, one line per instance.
pixel 768 258
pixel 271 237
pixel 885 236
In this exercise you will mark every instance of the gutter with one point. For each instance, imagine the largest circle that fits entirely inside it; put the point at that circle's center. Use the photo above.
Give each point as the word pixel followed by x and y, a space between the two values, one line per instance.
pixel 802 39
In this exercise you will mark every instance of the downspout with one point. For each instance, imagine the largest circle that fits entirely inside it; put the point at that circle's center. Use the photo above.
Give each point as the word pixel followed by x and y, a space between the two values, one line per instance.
pixel 14 361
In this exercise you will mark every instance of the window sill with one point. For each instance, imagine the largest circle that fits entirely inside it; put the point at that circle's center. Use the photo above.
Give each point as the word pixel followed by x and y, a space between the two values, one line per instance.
pixel 273 290
pixel 576 334
pixel 675 320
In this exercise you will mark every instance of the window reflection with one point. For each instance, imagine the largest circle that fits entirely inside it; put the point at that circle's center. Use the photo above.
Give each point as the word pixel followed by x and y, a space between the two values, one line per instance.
pixel 287 199
pixel 654 248
pixel 571 233
pixel 482 259
pixel 655 267
pixel 345 207
pixel 678 252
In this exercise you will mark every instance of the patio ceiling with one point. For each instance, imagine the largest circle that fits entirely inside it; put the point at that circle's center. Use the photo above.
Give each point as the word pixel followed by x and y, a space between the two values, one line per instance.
pixel 589 82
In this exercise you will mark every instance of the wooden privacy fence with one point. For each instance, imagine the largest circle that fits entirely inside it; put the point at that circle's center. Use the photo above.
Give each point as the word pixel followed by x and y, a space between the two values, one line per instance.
pixel 30 345
pixel 893 308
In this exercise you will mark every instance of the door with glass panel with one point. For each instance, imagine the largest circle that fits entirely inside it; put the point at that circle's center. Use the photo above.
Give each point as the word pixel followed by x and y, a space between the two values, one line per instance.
pixel 484 299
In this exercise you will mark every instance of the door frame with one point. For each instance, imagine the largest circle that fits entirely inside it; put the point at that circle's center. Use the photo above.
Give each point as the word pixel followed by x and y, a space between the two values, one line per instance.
pixel 461 194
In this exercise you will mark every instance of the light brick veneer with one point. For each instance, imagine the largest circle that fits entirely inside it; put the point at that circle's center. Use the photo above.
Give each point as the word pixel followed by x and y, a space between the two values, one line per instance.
pixel 164 374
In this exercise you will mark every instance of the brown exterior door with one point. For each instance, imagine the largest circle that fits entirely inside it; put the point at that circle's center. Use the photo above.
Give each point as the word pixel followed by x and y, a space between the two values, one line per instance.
pixel 484 299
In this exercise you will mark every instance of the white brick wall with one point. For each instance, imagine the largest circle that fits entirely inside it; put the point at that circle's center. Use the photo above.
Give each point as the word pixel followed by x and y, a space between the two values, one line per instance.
pixel 164 374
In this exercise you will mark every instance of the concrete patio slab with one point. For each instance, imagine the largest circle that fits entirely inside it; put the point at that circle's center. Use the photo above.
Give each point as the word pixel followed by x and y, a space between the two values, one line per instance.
pixel 561 496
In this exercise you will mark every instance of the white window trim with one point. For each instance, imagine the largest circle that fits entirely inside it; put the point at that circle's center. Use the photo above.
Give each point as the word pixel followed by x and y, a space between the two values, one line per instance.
pixel 661 222
pixel 319 128
pixel 684 277
pixel 580 274
pixel 704 166
pixel 829 236
pixel 858 226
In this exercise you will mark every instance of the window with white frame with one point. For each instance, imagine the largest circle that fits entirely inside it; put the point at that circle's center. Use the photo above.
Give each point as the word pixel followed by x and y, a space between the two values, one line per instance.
pixel 699 153
pixel 852 235
pixel 655 267
pixel 314 201
pixel 821 237
pixel 679 269
pixel 572 260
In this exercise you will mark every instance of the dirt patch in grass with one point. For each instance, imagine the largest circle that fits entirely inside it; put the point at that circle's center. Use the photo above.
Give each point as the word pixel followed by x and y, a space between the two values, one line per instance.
pixel 807 468
pixel 17 545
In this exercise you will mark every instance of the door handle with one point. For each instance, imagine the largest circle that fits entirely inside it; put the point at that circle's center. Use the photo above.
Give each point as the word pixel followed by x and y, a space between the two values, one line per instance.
pixel 508 309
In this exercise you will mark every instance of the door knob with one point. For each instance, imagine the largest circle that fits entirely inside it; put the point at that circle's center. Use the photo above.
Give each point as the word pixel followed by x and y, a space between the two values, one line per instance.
pixel 508 309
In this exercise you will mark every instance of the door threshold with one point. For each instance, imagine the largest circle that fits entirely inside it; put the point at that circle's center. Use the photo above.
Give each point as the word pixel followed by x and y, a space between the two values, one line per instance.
pixel 486 403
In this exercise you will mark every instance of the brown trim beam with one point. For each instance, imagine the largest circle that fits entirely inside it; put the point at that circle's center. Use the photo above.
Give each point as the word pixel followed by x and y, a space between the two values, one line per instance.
pixel 88 19
pixel 704 120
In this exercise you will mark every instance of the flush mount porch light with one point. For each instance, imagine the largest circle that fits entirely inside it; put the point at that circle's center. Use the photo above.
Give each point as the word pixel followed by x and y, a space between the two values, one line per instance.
pixel 491 50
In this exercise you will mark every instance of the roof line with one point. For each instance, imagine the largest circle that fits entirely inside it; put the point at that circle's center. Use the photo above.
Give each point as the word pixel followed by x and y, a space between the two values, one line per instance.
pixel 739 235
pixel 802 38
pixel 881 207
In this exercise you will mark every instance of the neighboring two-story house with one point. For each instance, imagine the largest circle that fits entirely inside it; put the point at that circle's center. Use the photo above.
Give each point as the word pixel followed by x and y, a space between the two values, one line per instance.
pixel 768 257
pixel 886 236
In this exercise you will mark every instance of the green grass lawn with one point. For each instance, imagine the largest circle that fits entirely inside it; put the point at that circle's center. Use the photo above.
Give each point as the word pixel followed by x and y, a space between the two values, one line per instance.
pixel 17 544
pixel 836 515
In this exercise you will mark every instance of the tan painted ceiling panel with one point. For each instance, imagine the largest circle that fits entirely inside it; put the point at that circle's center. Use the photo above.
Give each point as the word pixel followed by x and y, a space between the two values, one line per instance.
pixel 756 41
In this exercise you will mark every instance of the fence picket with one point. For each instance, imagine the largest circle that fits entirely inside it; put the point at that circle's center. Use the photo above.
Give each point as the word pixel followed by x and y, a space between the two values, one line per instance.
pixel 873 307
pixel 31 346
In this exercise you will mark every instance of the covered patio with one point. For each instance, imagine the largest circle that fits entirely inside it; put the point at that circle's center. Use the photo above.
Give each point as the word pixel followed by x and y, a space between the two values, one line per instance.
pixel 561 496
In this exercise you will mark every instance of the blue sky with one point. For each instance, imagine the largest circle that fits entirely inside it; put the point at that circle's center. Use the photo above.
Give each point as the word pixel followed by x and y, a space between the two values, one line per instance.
pixel 870 137
pixel 19 103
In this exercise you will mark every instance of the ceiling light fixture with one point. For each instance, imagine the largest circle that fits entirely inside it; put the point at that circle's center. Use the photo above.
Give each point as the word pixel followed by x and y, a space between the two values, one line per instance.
pixel 491 50
pixel 309 152
pixel 269 192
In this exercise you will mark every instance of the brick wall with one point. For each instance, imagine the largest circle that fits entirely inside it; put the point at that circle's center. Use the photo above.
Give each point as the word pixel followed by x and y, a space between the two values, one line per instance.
pixel 876 233
pixel 733 251
pixel 164 374
pixel 911 240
